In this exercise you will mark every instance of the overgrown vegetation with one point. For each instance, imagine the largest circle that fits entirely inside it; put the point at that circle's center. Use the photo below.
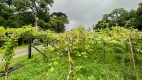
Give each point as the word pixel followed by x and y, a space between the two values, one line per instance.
pixel 84 55
pixel 112 52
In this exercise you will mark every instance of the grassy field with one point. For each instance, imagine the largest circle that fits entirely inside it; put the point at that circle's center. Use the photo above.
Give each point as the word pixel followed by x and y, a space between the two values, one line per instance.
pixel 93 67
pixel 36 69
pixel 39 68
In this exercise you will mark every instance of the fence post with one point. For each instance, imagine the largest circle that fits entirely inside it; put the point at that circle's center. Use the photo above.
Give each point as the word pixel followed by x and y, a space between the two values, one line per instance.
pixel 29 48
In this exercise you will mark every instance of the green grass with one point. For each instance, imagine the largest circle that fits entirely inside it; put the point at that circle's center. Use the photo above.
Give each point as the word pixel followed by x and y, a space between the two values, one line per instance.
pixel 21 47
pixel 36 69
pixel 56 68
pixel 17 48
pixel 116 66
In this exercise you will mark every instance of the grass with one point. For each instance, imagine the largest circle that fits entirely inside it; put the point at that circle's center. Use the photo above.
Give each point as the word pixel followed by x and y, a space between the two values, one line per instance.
pixel 35 69
pixel 21 47
pixel 38 68
pixel 17 48
pixel 55 67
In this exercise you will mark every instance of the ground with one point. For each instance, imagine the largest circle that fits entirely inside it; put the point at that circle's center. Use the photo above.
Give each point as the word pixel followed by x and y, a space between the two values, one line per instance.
pixel 56 67
pixel 21 50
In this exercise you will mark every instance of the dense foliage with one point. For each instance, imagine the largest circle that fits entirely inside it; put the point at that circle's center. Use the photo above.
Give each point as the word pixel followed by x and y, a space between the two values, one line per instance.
pixel 91 55
pixel 10 37
pixel 123 18
pixel 31 12
pixel 108 53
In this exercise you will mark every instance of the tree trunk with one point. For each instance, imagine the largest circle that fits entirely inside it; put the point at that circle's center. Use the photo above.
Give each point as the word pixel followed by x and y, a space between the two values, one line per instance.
pixel 35 19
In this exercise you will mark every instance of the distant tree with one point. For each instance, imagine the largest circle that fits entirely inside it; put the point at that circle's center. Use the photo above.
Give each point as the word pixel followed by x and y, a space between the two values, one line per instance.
pixel 7 16
pixel 60 16
pixel 116 17
pixel 33 7
pixel 138 20
pixel 123 18
pixel 58 21
pixel 8 2
pixel 13 21
pixel 131 19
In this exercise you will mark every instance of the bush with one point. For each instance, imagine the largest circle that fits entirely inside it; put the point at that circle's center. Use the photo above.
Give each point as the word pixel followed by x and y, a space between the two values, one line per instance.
pixel 36 42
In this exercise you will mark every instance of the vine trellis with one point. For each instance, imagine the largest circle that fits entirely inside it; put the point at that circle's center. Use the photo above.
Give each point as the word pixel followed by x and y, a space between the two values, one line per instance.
pixel 75 38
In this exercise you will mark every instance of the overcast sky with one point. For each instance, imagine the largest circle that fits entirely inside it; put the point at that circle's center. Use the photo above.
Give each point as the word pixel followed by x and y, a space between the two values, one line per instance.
pixel 89 12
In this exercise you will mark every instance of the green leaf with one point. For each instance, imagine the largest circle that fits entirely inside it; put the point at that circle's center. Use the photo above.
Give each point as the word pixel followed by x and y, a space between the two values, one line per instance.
pixel 55 63
pixel 78 54
pixel 51 69
pixel 83 53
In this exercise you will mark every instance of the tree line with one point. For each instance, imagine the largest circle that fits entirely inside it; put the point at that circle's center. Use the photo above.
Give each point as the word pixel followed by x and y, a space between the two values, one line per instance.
pixel 121 17
pixel 18 13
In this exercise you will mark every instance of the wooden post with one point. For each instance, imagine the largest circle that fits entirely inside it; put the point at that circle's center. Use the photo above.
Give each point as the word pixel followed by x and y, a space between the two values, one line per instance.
pixel 6 70
pixel 29 48
pixel 39 51
pixel 70 75
pixel 133 59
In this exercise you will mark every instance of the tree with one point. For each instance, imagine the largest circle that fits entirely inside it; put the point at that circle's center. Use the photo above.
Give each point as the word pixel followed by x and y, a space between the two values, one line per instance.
pixel 33 6
pixel 5 14
pixel 123 18
pixel 32 12
pixel 26 18
pixel 131 19
pixel 58 21
pixel 118 16
pixel 9 2
pixel 139 17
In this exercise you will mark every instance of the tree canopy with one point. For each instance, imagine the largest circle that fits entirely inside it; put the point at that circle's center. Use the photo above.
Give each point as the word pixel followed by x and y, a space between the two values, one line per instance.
pixel 31 12
pixel 123 18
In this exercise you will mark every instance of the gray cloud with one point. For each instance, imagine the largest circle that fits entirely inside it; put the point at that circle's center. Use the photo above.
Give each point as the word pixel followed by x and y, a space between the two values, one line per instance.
pixel 89 12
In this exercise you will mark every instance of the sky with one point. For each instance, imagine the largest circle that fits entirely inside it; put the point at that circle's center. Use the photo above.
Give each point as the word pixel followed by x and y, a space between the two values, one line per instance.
pixel 89 12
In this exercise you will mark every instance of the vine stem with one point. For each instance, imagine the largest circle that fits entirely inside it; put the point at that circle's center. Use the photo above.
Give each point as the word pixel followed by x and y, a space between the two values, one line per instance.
pixel 70 75
pixel 6 70
pixel 133 60
pixel 105 58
